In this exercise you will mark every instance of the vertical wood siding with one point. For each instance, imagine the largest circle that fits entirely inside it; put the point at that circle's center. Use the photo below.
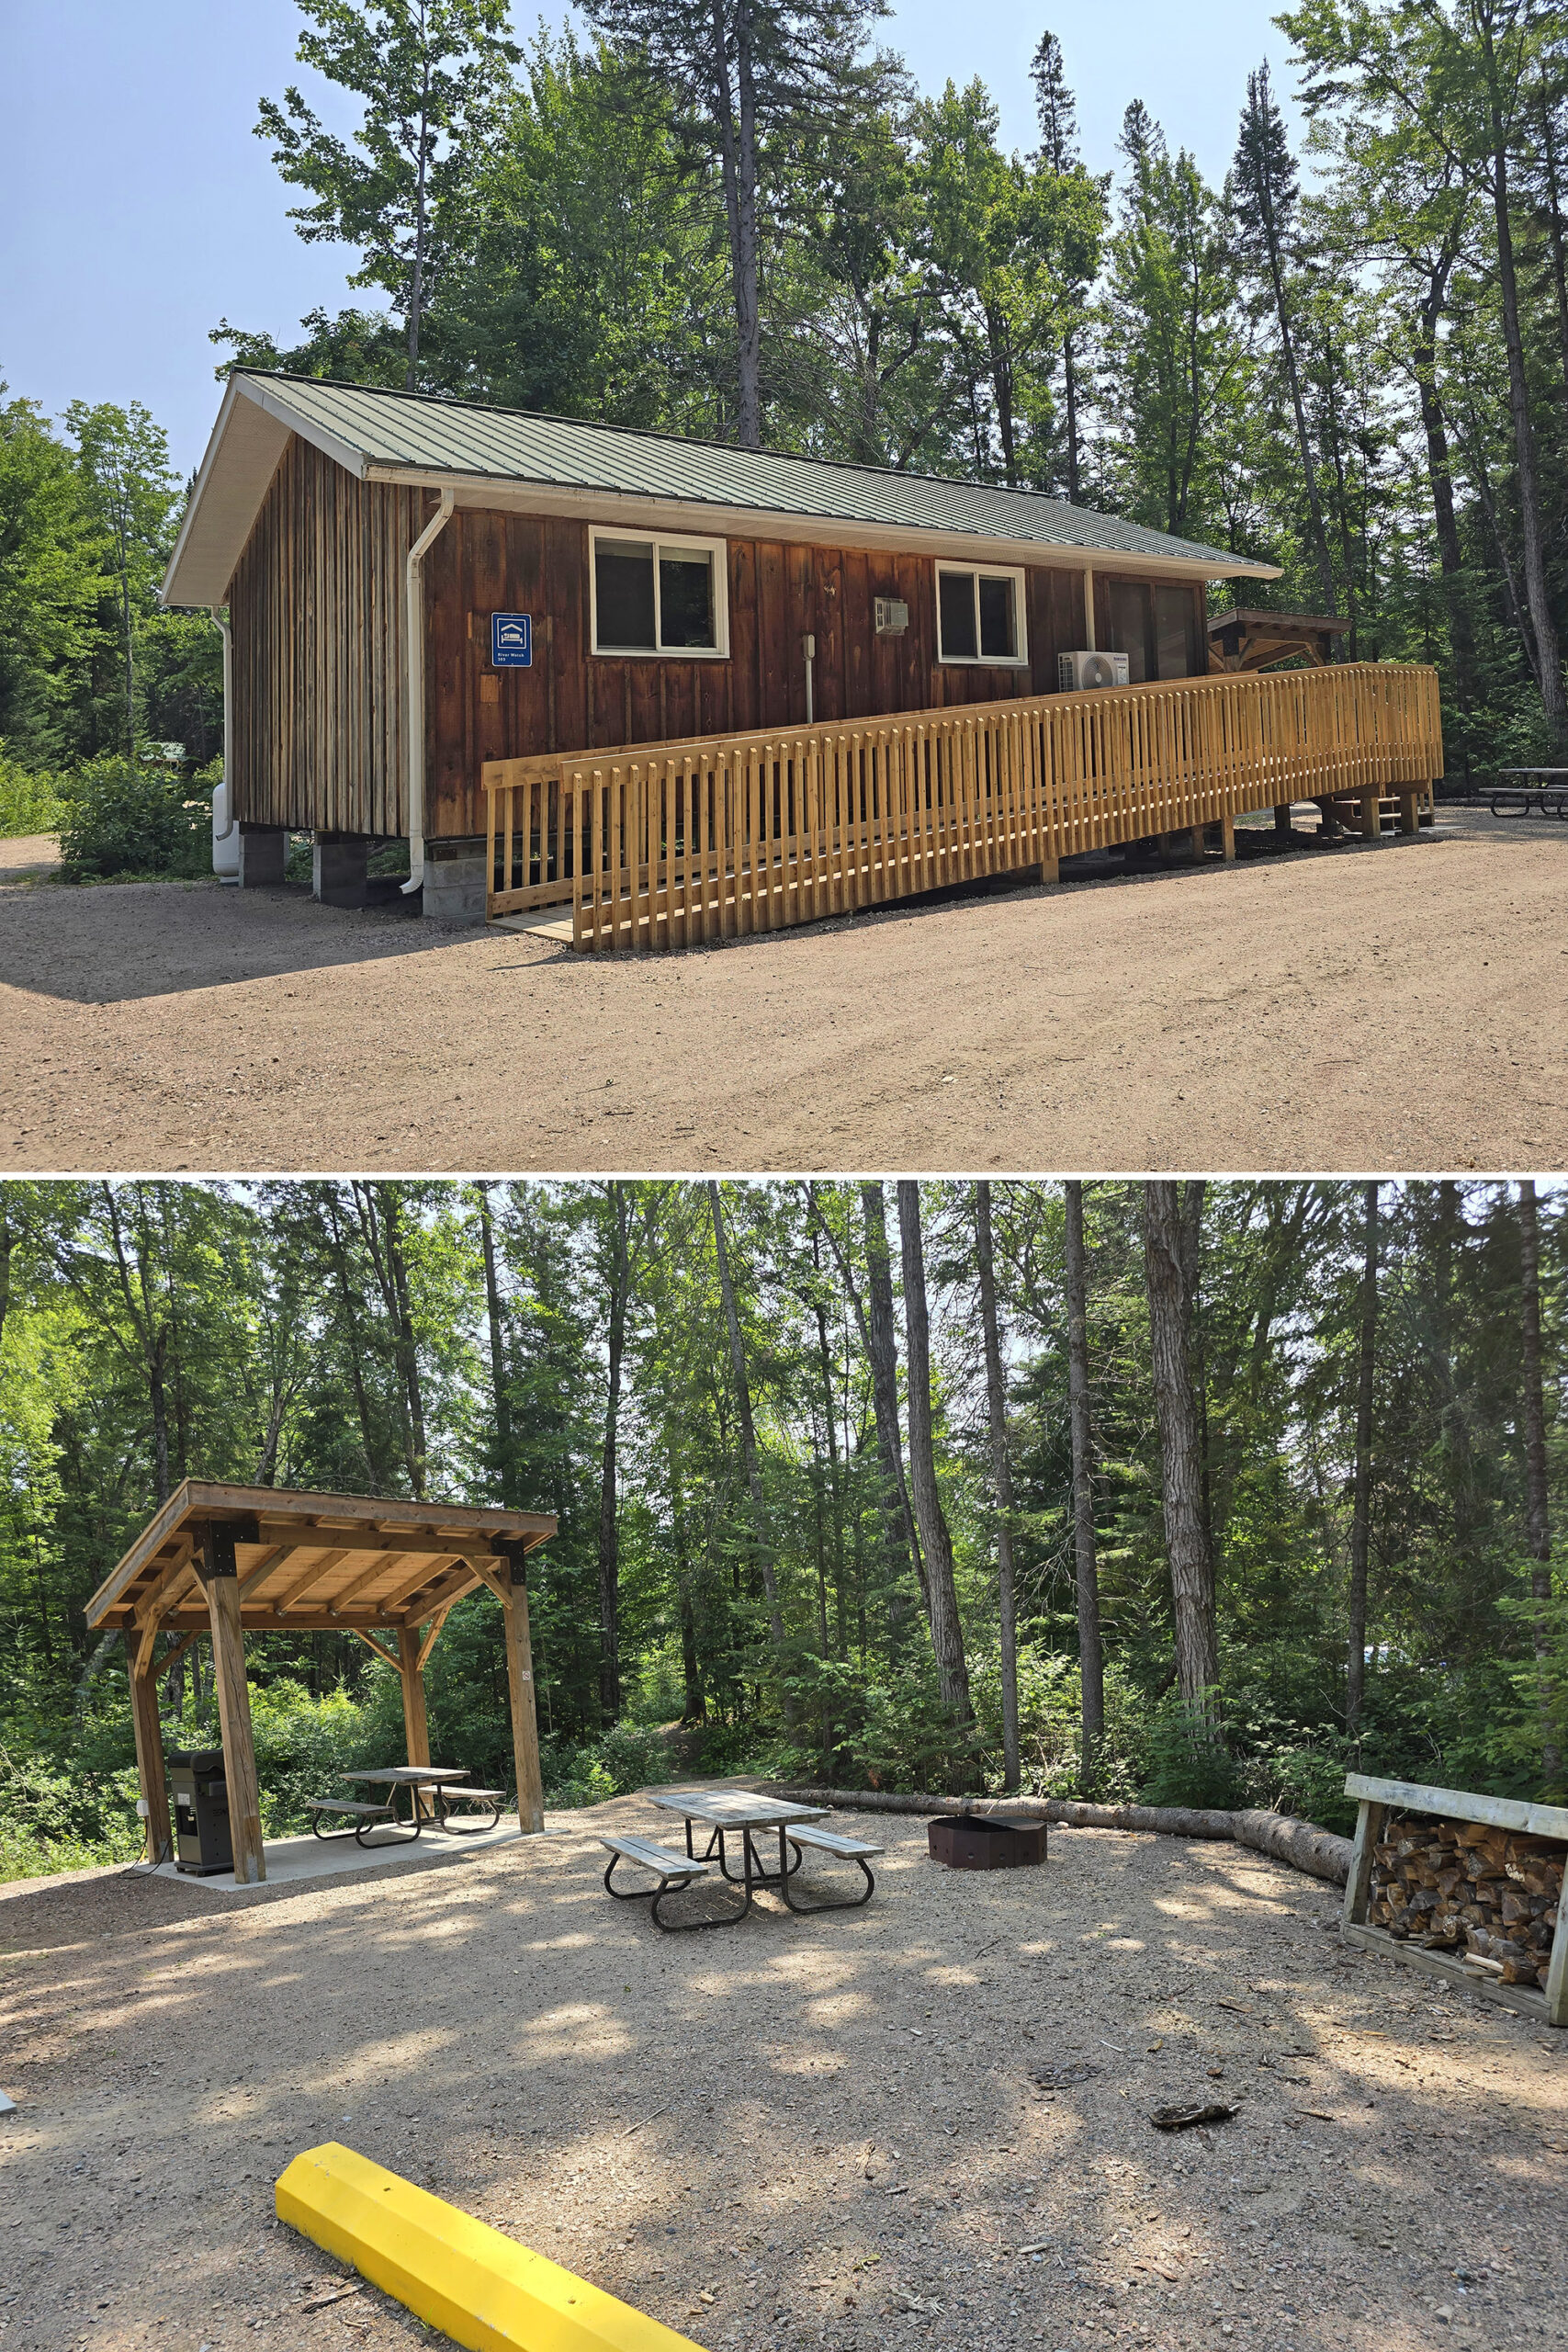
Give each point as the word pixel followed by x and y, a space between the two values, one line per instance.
pixel 316 605
pixel 317 609
pixel 779 593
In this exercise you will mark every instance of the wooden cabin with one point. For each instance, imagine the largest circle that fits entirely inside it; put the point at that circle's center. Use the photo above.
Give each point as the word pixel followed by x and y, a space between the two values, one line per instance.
pixel 570 588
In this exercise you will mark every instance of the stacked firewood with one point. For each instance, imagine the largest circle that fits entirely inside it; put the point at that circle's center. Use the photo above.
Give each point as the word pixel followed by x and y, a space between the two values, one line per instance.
pixel 1488 1896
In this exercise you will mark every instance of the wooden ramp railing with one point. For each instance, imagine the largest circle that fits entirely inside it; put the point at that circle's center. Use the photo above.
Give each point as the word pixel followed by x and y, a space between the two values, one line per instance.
pixel 670 844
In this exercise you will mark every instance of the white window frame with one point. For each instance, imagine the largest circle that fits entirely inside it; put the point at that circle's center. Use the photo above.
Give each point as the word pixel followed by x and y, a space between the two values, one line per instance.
pixel 663 543
pixel 976 572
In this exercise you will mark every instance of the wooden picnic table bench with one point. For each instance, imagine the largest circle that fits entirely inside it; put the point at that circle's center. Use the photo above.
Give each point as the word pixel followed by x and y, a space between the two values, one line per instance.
pixel 736 1811
pixel 360 1816
pixel 843 1849
pixel 439 1798
pixel 1525 798
pixel 674 1873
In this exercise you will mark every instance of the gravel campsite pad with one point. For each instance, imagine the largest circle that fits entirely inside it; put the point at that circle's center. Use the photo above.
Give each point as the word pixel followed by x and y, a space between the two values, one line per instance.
pixel 922 2124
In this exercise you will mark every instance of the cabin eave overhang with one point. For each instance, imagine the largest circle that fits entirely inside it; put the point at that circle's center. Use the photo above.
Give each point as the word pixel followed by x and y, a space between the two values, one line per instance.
pixel 506 495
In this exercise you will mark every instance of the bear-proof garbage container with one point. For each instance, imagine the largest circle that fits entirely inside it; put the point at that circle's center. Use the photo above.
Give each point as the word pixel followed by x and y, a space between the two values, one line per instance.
pixel 200 1796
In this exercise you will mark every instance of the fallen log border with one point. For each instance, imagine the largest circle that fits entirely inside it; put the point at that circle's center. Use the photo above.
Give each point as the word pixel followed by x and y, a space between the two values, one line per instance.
pixel 1319 1852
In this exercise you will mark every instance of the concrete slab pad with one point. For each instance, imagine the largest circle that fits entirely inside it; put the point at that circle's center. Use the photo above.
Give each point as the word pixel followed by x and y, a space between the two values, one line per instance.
pixel 292 1860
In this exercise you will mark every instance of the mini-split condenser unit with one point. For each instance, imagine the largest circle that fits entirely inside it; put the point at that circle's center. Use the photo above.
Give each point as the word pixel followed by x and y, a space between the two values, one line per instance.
pixel 1076 670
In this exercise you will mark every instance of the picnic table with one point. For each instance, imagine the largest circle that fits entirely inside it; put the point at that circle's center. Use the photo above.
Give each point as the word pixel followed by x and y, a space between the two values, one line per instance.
pixel 725 1813
pixel 434 1791
pixel 1549 785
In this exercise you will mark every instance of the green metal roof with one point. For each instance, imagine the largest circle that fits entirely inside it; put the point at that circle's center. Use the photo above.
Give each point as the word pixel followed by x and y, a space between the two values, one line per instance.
pixel 411 432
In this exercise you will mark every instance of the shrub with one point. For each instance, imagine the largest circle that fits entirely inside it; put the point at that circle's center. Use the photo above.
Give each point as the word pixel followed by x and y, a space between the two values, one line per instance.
pixel 1189 1764
pixel 54 1820
pixel 29 801
pixel 123 819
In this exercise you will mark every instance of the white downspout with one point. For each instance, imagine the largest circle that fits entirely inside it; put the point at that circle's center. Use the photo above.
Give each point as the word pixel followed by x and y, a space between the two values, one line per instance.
pixel 1088 612
pixel 415 715
pixel 227 634
pixel 810 644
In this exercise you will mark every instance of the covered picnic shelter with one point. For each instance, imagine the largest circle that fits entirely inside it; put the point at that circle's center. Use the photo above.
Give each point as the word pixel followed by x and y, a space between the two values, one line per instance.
pixel 1245 639
pixel 226 1561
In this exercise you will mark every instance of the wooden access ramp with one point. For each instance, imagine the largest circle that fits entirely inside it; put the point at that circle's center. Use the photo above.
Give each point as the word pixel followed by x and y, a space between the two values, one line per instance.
pixel 664 846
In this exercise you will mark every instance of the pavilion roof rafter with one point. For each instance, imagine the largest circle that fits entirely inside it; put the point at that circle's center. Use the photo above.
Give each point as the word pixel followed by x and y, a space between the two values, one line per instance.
pixel 308 1561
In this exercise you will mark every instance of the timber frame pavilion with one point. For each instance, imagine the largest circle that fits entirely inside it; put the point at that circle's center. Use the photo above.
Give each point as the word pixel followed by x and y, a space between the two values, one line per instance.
pixel 225 1560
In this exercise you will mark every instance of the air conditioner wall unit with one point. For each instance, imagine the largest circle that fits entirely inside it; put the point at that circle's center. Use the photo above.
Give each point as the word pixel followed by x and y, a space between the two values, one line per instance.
pixel 892 615
pixel 1074 672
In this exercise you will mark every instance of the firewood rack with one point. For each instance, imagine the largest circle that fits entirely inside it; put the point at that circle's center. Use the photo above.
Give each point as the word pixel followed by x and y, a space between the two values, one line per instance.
pixel 1547 2003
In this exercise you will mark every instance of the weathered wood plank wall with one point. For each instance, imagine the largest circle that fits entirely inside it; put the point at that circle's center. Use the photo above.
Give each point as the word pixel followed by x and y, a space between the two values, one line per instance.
pixel 316 605
pixel 779 593
pixel 317 609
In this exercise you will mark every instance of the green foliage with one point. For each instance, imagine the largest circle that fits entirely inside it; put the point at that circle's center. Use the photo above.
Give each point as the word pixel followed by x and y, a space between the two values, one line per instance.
pixel 51 584
pixel 429 75
pixel 127 819
pixel 55 1819
pixel 30 799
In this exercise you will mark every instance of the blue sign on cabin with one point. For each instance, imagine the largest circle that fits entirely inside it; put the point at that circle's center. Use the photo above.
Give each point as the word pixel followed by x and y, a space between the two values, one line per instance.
pixel 512 641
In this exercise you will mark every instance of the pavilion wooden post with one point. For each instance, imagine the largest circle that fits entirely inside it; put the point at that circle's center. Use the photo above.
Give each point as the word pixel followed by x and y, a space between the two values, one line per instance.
pixel 520 1683
pixel 148 1752
pixel 416 1727
pixel 215 1565
pixel 1227 839
pixel 1281 816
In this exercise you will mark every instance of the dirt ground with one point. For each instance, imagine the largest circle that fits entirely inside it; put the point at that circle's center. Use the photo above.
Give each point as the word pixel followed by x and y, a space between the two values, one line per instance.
pixel 1388 1005
pixel 799 2132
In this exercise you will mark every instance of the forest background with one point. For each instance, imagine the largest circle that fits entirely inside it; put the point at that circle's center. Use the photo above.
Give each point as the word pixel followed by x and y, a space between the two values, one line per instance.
pixel 1203 1494
pixel 741 219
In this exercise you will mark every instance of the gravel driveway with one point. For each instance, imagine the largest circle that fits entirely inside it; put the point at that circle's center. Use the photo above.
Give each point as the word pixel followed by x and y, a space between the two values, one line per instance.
pixel 1397 1005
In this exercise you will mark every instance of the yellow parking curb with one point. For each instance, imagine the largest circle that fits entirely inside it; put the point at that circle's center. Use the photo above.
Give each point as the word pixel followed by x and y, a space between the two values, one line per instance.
pixel 478 2286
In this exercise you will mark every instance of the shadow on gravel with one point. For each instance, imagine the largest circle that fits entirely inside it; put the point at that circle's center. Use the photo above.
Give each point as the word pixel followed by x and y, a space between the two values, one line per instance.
pixel 117 942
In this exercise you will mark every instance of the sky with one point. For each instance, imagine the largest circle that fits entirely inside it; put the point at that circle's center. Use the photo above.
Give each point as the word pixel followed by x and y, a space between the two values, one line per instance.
pixel 139 208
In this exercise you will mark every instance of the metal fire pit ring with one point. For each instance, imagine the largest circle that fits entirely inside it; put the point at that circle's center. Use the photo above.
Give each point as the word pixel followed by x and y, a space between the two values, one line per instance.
pixel 981 1842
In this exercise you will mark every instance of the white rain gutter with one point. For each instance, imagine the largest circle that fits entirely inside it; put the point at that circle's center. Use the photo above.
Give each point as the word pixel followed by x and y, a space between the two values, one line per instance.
pixel 415 711
pixel 227 634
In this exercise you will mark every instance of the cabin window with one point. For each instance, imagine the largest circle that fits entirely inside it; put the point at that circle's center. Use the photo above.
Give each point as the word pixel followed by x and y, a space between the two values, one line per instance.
pixel 979 617
pixel 657 595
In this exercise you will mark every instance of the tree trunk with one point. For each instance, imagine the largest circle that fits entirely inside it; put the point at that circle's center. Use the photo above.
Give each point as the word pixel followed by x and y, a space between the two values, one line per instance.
pixel 1001 1479
pixel 735 109
pixel 355 1351
pixel 609 1527
pixel 1440 475
pixel 749 1444
pixel 407 1349
pixel 1298 407
pixel 947 1635
pixel 694 1704
pixel 416 291
pixel 1092 1657
pixel 1550 159
pixel 1169 1258
pixel 1070 386
pixel 1537 1520
pixel 501 1399
pixel 1537 594
pixel 1360 1520
pixel 875 1319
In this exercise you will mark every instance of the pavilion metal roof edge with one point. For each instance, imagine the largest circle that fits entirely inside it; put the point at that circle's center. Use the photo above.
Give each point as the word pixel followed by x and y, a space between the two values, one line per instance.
pixel 295 404
pixel 217 1498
